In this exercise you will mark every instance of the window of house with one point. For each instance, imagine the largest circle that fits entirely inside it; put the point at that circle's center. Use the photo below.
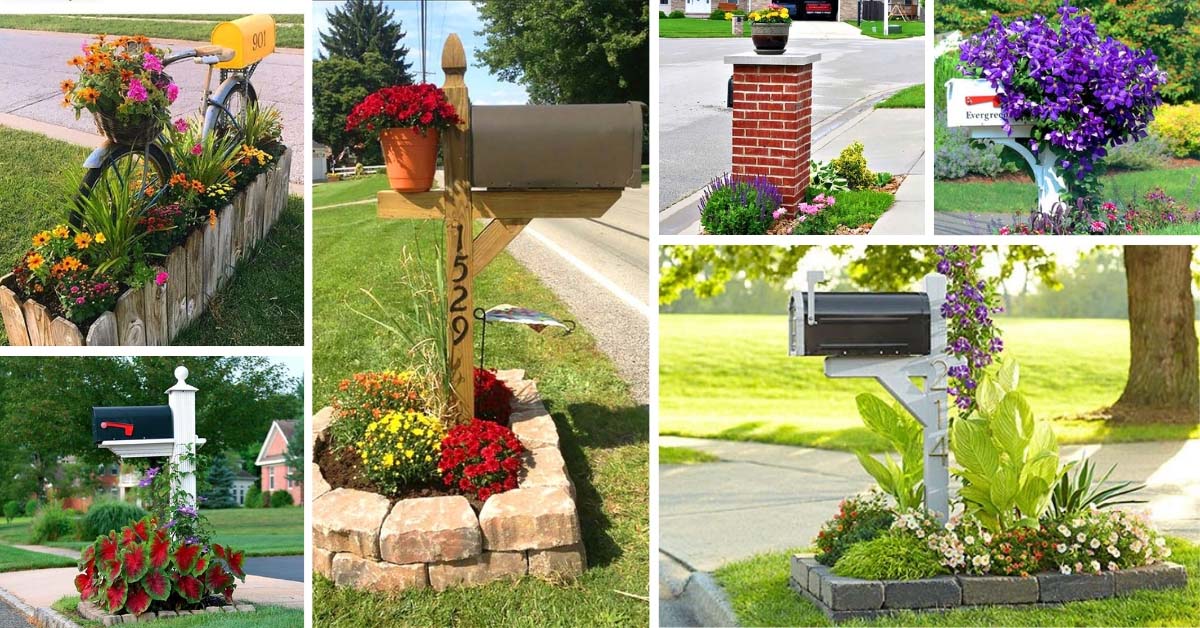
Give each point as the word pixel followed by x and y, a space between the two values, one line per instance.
pixel 271 477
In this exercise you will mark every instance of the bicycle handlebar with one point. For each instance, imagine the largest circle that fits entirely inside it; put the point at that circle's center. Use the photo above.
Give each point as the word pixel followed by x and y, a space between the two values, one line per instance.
pixel 210 55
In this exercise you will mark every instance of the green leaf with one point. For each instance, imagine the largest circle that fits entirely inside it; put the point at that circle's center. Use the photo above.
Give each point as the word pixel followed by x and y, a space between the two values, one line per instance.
pixel 1007 430
pixel 1008 375
pixel 881 474
pixel 972 447
pixel 1003 490
pixel 988 396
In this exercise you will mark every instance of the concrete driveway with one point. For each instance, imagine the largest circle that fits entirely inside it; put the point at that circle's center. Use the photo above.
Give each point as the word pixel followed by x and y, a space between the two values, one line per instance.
pixel 35 62
pixel 694 124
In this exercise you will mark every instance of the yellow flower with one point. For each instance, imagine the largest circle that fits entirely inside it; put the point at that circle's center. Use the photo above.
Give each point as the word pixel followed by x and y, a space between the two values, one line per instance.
pixel 389 460
pixel 83 239
pixel 35 261
pixel 41 239
pixel 408 453
pixel 60 232
pixel 100 239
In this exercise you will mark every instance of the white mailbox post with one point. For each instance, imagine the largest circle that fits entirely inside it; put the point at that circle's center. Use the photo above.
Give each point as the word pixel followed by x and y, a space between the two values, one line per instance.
pixel 974 104
pixel 894 361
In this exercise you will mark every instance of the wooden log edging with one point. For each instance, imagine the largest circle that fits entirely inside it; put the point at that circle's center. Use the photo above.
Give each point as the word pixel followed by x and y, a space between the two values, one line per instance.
pixel 841 598
pixel 151 314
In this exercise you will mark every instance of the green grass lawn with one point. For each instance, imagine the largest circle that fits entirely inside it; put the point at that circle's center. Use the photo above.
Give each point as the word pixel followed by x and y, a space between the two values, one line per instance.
pixel 758 590
pixel 258 532
pixel 348 191
pixel 262 617
pixel 911 97
pixel 871 28
pixel 854 208
pixel 263 306
pixel 604 432
pixel 693 27
pixel 730 377
pixel 683 455
pixel 289 31
pixel 1011 196
pixel 14 559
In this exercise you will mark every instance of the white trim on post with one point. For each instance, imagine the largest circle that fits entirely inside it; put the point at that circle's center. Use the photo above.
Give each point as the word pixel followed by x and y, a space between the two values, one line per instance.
pixel 182 399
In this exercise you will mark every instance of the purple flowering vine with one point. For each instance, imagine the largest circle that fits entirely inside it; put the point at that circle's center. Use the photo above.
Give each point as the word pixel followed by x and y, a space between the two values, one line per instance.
pixel 148 477
pixel 1081 92
pixel 972 333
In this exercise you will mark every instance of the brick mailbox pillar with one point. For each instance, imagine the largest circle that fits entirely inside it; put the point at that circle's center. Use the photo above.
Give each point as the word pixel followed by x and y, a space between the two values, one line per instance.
pixel 772 118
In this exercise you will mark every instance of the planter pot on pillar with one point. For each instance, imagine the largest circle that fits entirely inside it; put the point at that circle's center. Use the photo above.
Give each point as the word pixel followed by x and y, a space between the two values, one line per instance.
pixel 769 39
pixel 410 157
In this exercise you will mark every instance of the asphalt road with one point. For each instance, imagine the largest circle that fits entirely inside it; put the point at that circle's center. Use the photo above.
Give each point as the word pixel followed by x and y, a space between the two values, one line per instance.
pixel 281 567
pixel 694 124
pixel 11 617
pixel 609 296
pixel 34 63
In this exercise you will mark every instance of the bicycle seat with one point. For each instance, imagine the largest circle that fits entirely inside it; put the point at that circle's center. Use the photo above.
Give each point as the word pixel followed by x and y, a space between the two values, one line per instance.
pixel 220 53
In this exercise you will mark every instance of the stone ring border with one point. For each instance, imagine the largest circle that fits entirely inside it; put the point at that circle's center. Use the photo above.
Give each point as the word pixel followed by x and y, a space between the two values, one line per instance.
pixel 369 542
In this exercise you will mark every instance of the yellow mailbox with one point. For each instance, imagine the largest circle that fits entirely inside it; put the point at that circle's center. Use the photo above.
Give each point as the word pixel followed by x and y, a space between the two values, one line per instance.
pixel 251 38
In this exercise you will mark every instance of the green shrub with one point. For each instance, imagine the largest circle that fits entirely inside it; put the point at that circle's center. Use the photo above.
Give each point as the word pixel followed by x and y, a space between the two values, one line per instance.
pixel 716 14
pixel 903 481
pixel 31 507
pixel 52 523
pixel 893 555
pixel 859 518
pixel 254 497
pixel 677 15
pixel 279 499
pixel 945 68
pixel 853 209
pixel 662 15
pixel 1179 127
pixel 1146 154
pixel 738 206
pixel 883 178
pixel 12 510
pixel 852 166
pixel 107 516
pixel 823 179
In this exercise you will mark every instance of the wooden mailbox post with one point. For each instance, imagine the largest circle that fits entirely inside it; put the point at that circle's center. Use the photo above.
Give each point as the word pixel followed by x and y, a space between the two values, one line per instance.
pixel 509 207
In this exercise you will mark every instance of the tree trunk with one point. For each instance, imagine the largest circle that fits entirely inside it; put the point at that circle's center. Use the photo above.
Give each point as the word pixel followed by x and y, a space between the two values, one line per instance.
pixel 1164 375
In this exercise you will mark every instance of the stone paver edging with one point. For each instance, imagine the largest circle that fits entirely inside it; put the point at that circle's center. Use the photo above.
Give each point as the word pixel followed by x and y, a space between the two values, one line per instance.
pixel 842 598
pixel 367 541
pixel 94 613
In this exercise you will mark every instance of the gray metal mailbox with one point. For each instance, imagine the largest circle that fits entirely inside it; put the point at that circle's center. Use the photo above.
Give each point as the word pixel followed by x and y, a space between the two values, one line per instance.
pixel 132 423
pixel 859 323
pixel 556 146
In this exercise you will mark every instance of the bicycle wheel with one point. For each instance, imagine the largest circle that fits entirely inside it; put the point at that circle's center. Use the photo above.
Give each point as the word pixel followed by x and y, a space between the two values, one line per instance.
pixel 139 167
pixel 226 114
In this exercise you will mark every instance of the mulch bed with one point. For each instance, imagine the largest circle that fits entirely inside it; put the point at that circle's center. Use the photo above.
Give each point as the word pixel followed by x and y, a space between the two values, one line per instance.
pixel 340 469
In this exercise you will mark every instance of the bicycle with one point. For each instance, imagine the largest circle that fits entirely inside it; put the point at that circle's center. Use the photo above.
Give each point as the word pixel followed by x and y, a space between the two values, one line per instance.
pixel 224 112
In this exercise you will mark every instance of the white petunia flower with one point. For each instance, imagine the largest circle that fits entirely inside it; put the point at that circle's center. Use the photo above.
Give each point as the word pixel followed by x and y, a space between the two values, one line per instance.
pixel 1096 566
pixel 1116 553
pixel 1065 570
pixel 1061 547
pixel 1065 531
pixel 1096 543
pixel 970 540
pixel 1081 537
pixel 1112 566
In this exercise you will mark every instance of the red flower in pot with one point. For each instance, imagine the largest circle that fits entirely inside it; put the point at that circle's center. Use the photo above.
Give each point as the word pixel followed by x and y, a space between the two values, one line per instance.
pixel 408 120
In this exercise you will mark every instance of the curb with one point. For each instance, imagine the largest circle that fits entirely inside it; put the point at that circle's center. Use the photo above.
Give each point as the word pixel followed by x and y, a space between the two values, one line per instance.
pixel 50 618
pixel 16 603
pixel 707 600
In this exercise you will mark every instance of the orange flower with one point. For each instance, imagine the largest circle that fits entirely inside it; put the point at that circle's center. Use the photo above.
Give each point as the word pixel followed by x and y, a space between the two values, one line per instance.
pixel 126 76
pixel 150 190
pixel 212 218
pixel 178 179
pixel 66 101
pixel 71 262
pixel 34 261
pixel 83 240
pixel 67 85
pixel 76 61
pixel 89 95
pixel 197 186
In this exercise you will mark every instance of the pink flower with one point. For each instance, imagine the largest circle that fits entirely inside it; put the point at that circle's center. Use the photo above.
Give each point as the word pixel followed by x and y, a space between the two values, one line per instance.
pixel 181 125
pixel 1005 231
pixel 172 92
pixel 137 91
pixel 151 63
pixel 161 278
pixel 777 213
pixel 80 301
pixel 1098 227
pixel 197 149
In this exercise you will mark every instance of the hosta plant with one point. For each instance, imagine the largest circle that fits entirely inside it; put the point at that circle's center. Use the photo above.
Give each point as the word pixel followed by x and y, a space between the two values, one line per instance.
pixel 144 568
pixel 824 179
pixel 903 481
pixel 1007 460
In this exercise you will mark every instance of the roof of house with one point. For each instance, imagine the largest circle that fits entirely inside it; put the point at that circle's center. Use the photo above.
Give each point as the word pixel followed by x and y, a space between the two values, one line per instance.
pixel 286 429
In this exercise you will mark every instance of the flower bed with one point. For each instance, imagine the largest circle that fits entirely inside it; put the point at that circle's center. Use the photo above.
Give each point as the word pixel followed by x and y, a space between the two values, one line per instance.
pixel 155 312
pixel 842 598
pixel 92 612
pixel 365 540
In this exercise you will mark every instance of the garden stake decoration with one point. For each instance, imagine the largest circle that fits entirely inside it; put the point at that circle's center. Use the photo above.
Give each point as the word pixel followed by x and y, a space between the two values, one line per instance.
pixel 565 161
pixel 892 338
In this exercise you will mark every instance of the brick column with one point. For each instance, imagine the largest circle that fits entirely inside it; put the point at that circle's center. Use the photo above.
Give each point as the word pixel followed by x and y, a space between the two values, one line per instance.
pixel 772 117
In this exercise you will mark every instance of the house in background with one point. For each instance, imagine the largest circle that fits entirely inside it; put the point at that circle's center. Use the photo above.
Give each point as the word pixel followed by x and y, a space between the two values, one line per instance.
pixel 273 461
pixel 242 482
pixel 801 10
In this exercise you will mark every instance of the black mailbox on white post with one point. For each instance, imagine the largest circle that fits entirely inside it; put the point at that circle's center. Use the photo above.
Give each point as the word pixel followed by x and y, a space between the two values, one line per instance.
pixel 859 323
pixel 132 423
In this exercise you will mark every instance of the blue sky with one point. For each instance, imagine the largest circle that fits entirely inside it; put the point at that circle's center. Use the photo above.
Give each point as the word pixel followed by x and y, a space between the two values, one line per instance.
pixel 443 18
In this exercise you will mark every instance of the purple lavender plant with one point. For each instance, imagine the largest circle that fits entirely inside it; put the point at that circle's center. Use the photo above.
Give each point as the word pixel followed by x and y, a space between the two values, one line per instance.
pixel 968 310
pixel 1081 92
pixel 738 205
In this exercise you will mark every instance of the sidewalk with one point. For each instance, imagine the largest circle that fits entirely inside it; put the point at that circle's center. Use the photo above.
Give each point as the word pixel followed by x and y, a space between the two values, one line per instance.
pixel 894 141
pixel 41 588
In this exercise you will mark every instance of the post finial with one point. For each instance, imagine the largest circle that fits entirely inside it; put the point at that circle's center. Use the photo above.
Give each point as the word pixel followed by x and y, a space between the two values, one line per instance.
pixel 454 58
pixel 181 374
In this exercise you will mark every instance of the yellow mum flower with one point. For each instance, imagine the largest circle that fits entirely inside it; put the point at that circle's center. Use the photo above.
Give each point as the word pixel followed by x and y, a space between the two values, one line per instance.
pixel 41 239
pixel 83 240
pixel 60 232
pixel 35 261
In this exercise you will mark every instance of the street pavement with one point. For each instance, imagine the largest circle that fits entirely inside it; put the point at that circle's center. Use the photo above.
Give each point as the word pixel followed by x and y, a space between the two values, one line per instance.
pixel 600 267
pixel 278 567
pixel 694 123
pixel 35 62
pixel 764 497
pixel 11 617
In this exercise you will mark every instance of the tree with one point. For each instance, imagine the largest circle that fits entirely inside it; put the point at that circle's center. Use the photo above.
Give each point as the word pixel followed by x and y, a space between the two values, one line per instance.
pixel 362 26
pixel 294 456
pixel 339 83
pixel 220 484
pixel 1164 375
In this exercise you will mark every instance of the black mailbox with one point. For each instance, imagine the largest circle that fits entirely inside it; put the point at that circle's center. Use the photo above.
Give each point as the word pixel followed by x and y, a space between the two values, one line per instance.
pixel 860 323
pixel 132 423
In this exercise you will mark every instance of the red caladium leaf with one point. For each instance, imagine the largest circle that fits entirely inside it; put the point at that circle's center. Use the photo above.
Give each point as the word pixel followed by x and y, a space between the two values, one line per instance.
pixel 110 569
pixel 216 578
pixel 109 547
pixel 114 596
pixel 85 583
pixel 141 531
pixel 160 550
pixel 201 565
pixel 185 557
pixel 137 601
pixel 157 584
pixel 229 595
pixel 134 562
pixel 87 560
pixel 189 588
pixel 237 564
pixel 219 550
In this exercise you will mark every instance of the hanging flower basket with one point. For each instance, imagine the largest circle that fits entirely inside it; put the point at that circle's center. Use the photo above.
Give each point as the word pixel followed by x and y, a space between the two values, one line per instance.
pixel 122 84
pixel 136 133
pixel 408 120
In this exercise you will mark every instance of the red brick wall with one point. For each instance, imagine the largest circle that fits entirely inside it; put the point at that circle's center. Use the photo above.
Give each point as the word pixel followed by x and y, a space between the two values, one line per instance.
pixel 772 115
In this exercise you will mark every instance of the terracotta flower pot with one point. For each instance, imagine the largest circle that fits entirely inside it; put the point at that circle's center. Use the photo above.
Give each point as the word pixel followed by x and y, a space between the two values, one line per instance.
pixel 770 39
pixel 410 157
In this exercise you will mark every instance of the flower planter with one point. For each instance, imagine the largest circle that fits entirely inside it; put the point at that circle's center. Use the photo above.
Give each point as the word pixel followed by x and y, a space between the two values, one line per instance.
pixel 94 613
pixel 410 157
pixel 849 598
pixel 770 39
pixel 367 541
pixel 136 134
pixel 153 314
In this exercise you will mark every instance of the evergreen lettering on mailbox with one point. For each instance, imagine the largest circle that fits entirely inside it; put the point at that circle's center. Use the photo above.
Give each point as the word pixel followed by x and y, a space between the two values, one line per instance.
pixel 132 423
